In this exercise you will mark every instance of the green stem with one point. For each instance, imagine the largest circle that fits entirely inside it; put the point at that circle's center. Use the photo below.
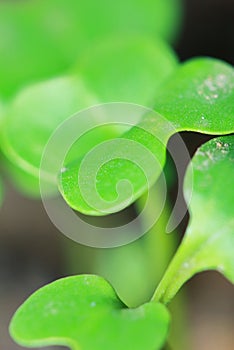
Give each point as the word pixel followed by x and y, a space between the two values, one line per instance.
pixel 178 272
pixel 161 248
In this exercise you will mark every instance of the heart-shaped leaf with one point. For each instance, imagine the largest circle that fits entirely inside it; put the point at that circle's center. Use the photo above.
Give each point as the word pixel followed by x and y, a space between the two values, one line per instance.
pixel 198 97
pixel 84 312
pixel 209 240
pixel 39 109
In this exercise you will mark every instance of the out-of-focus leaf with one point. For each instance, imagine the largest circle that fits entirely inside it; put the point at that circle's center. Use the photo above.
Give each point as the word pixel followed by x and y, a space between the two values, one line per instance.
pixel 128 69
pixel 152 17
pixel 43 38
pixel 84 312
pixel 209 240
pixel 34 115
pixel 26 51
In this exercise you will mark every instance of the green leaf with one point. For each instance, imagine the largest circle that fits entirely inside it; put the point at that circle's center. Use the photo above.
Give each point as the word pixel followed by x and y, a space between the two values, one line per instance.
pixel 209 240
pixel 150 17
pixel 26 51
pixel 33 116
pixel 39 109
pixel 198 97
pixel 84 312
pixel 129 69
pixel 43 38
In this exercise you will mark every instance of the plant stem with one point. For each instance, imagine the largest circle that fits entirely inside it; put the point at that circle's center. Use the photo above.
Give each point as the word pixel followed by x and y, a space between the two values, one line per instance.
pixel 178 272
pixel 161 247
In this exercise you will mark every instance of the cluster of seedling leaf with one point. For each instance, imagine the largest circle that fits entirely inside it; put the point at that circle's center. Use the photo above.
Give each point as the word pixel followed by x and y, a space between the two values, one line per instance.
pixel 84 312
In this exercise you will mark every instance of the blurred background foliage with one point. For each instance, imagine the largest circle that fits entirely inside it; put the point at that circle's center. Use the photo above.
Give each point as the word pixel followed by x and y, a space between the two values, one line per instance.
pixel 42 38
pixel 57 57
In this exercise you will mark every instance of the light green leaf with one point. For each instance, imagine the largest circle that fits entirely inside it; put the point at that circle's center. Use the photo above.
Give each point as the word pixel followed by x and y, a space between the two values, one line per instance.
pixel 36 112
pixel 129 69
pixel 151 17
pixel 83 312
pixel 26 51
pixel 33 116
pixel 209 240
pixel 198 97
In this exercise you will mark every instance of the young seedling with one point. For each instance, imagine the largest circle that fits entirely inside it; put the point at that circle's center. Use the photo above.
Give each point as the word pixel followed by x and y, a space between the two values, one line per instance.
pixel 115 57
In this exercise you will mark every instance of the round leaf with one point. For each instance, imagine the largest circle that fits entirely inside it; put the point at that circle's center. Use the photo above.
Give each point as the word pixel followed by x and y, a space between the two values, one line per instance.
pixel 83 312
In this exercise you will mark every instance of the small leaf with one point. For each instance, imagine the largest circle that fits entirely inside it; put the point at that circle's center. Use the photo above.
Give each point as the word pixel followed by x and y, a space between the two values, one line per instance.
pixel 83 312
pixel 198 97
pixel 209 240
